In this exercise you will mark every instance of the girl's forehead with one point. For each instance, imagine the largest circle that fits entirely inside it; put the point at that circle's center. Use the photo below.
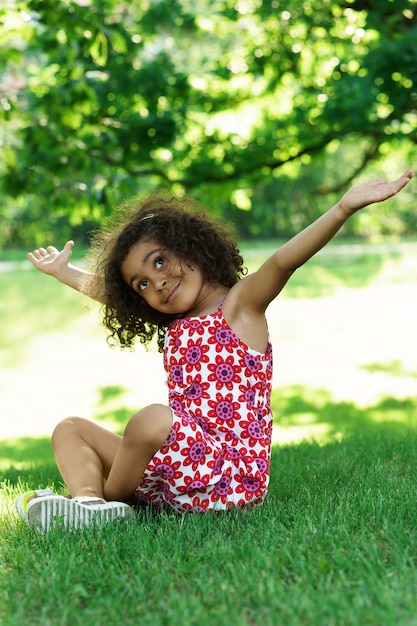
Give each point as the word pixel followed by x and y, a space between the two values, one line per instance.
pixel 139 257
pixel 143 251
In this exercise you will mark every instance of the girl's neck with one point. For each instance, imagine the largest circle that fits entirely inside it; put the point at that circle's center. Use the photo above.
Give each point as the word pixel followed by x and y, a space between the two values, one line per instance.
pixel 210 303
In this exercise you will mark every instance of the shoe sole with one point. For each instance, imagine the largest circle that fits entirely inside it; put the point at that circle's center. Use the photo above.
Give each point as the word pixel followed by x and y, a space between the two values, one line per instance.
pixel 22 500
pixel 46 513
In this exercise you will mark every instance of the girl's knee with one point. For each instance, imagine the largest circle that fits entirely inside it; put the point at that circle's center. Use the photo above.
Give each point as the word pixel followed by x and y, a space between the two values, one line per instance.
pixel 64 429
pixel 149 426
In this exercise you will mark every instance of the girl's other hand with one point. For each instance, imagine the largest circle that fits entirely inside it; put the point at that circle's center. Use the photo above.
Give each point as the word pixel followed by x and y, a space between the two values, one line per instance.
pixel 50 260
pixel 374 191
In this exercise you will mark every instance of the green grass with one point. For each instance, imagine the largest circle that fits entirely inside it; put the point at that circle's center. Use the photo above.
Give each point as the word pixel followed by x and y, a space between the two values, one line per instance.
pixel 27 311
pixel 27 305
pixel 333 545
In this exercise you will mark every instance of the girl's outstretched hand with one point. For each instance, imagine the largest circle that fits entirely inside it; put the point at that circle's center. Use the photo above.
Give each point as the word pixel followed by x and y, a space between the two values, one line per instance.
pixel 50 260
pixel 374 191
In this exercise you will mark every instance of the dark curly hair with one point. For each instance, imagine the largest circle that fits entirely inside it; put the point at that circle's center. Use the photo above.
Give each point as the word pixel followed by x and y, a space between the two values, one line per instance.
pixel 176 224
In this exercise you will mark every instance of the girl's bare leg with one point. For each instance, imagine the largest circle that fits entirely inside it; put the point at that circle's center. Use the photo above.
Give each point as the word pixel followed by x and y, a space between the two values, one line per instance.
pixel 144 434
pixel 87 454
pixel 84 453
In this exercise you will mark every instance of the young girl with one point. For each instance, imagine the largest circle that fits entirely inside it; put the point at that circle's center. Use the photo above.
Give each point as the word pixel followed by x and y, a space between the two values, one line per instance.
pixel 169 272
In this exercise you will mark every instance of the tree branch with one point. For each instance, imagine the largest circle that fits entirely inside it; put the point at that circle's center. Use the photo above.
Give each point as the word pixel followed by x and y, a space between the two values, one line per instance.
pixel 369 154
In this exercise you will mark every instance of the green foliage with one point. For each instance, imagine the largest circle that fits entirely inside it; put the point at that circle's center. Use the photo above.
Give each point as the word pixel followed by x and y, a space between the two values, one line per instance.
pixel 102 99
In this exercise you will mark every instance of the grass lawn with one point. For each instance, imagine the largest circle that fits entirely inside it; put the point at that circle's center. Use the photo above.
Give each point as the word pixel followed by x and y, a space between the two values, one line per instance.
pixel 335 542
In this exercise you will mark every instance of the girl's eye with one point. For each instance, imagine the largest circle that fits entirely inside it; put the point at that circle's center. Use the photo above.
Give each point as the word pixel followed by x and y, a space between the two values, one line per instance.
pixel 159 263
pixel 143 284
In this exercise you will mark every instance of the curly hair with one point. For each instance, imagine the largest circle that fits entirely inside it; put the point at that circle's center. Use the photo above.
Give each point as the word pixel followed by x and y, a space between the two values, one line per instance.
pixel 176 224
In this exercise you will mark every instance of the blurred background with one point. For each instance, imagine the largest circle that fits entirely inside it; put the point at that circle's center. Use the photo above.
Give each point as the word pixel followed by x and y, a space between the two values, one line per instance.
pixel 264 111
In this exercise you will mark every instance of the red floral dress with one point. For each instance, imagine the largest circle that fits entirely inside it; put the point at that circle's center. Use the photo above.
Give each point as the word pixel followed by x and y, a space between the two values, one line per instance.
pixel 218 451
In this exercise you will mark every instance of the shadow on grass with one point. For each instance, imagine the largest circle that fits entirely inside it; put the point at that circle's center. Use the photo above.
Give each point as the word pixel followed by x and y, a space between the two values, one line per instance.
pixel 316 415
pixel 301 413
pixel 110 410
pixel 29 459
pixel 393 368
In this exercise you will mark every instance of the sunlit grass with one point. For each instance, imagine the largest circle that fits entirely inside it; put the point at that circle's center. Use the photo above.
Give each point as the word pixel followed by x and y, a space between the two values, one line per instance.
pixel 32 305
pixel 334 543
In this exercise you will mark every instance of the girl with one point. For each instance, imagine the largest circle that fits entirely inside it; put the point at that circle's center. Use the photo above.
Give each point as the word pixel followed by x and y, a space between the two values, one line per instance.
pixel 169 272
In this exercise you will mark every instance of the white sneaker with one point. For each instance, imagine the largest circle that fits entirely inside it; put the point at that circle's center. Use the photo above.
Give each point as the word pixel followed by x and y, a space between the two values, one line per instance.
pixel 46 510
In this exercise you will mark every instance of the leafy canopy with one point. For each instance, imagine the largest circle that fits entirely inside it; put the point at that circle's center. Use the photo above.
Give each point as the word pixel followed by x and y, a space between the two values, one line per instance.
pixel 102 99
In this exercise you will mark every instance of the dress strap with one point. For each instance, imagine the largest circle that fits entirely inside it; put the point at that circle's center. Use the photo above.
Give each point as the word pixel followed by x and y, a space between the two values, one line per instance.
pixel 219 308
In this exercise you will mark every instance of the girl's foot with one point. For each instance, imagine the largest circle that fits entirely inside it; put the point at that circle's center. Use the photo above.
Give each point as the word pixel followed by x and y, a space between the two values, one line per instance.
pixel 43 510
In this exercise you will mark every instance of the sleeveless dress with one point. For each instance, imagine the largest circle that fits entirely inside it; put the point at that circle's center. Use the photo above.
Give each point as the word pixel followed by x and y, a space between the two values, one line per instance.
pixel 217 454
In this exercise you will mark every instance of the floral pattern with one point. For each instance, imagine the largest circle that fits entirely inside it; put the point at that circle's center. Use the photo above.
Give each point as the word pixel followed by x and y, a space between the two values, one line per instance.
pixel 217 454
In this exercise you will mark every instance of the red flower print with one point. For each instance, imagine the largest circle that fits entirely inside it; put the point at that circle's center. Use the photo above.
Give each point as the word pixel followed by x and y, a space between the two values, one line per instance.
pixel 201 420
pixel 176 403
pixel 252 363
pixel 224 373
pixel 222 338
pixel 250 486
pixel 232 453
pixel 196 389
pixel 167 492
pixel 269 370
pixel 224 409
pixel 194 354
pixel 217 453
pixel 262 462
pixel 175 371
pixel 167 468
pixel 195 326
pixel 174 336
pixel 196 452
pixel 222 488
pixel 247 395
pixel 196 482
pixel 252 431
pixel 199 504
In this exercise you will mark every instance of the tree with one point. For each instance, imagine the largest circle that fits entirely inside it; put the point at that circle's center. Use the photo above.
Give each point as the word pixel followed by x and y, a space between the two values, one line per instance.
pixel 211 96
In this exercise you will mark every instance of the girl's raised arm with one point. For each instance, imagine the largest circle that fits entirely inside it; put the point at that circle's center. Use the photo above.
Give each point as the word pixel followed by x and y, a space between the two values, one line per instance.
pixel 57 264
pixel 265 284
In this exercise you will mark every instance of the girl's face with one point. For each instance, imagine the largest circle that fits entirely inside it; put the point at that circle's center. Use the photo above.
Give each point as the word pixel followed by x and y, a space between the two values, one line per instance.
pixel 167 284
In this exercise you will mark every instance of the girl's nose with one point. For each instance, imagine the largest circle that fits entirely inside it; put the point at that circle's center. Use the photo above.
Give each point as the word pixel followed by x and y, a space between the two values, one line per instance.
pixel 161 284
